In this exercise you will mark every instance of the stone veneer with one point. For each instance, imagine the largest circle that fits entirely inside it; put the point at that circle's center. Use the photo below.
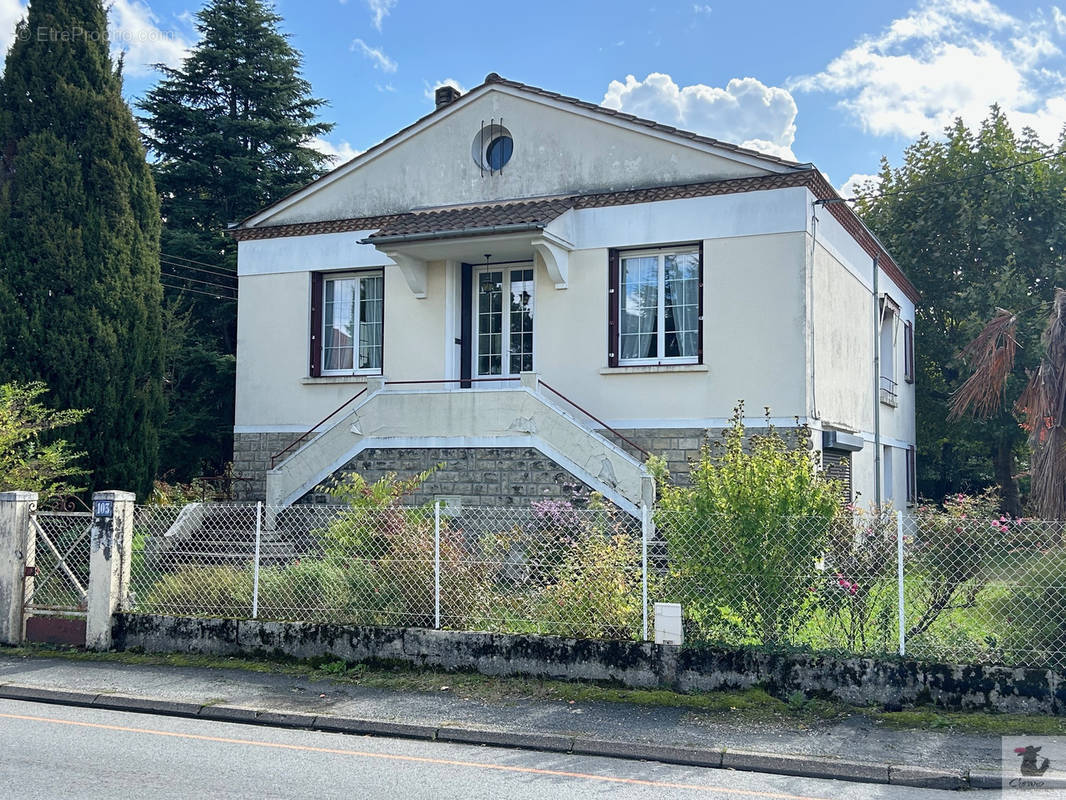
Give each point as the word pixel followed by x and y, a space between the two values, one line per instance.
pixel 490 476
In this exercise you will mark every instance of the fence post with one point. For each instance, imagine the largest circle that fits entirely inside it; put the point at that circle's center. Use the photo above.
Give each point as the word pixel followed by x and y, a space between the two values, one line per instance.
pixel 436 564
pixel 645 534
pixel 16 550
pixel 255 566
pixel 110 543
pixel 899 585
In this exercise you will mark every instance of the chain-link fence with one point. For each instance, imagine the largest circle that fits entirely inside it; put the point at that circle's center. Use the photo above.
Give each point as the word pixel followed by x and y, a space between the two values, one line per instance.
pixel 932 586
pixel 545 569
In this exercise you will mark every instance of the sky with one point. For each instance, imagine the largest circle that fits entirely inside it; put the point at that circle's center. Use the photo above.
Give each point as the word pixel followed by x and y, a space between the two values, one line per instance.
pixel 839 86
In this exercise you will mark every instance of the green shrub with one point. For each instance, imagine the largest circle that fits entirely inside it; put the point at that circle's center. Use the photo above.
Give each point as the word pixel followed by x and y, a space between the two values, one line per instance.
pixel 215 591
pixel 743 538
pixel 1030 616
pixel 307 590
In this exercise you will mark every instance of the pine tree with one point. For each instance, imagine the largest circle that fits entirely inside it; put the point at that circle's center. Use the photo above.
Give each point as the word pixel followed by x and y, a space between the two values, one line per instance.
pixel 230 130
pixel 79 241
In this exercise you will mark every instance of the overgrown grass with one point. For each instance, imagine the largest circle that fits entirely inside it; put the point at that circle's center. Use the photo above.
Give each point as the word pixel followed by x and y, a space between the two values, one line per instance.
pixel 751 705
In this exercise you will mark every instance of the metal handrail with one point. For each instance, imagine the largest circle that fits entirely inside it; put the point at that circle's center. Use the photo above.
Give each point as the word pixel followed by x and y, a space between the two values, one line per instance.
pixel 596 419
pixel 888 391
pixel 274 458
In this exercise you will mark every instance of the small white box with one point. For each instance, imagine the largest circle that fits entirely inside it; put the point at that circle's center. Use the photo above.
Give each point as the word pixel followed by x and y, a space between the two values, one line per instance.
pixel 668 628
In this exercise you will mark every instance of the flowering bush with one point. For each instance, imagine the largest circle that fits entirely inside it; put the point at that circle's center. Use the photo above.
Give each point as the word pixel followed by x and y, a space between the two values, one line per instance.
pixel 856 600
pixel 947 561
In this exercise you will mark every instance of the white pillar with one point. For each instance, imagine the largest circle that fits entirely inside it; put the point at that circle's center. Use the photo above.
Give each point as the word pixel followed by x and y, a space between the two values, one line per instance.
pixel 530 380
pixel 109 564
pixel 16 551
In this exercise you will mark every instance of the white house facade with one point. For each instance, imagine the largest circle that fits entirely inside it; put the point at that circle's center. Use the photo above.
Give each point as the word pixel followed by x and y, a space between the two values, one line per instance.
pixel 538 291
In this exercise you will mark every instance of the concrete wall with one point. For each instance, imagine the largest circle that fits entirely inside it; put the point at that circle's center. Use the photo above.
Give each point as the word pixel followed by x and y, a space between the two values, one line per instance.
pixel 841 372
pixel 753 341
pixel 861 681
pixel 557 149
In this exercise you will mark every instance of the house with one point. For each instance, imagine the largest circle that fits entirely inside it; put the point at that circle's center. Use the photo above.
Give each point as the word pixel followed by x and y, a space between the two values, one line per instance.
pixel 537 290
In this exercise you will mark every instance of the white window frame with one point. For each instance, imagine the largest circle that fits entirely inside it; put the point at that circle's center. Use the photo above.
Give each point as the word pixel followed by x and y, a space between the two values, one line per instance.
pixel 661 358
pixel 342 276
pixel 505 323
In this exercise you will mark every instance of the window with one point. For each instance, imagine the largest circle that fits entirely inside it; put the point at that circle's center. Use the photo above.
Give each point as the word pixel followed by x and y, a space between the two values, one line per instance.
pixel 889 320
pixel 504 314
pixel 656 307
pixel 492 147
pixel 346 323
pixel 499 152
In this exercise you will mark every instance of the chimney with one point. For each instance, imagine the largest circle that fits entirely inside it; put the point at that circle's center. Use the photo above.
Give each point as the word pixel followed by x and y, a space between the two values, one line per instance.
pixel 446 95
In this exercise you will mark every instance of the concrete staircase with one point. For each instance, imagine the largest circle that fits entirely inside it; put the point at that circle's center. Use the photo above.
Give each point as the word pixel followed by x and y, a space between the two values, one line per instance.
pixel 520 415
pixel 211 534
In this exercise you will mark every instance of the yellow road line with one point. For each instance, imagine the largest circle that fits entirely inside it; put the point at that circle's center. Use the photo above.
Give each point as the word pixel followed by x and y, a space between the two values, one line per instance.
pixel 415 759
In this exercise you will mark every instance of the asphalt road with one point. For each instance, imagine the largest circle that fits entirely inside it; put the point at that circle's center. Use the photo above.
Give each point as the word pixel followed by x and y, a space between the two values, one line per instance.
pixel 50 751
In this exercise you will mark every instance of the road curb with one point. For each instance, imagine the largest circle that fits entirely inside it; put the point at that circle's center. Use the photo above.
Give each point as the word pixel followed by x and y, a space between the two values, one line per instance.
pixel 800 766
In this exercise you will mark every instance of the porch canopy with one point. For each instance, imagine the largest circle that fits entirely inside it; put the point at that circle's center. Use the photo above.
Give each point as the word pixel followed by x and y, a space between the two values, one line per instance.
pixel 505 231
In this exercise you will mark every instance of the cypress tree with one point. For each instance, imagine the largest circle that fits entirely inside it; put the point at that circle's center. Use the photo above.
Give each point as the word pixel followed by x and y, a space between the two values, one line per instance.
pixel 229 130
pixel 79 241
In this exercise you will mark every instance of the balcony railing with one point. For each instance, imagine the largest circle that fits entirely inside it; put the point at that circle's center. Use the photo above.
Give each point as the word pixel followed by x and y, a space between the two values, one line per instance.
pixel 889 395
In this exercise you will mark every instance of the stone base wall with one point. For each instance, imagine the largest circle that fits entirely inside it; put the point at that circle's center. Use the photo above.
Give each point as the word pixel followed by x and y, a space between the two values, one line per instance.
pixel 478 476
pixel 488 476
pixel 857 680
pixel 251 461
pixel 679 446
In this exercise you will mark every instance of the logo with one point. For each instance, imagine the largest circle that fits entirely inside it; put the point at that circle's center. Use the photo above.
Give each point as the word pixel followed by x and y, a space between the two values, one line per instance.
pixel 1033 765
pixel 1029 755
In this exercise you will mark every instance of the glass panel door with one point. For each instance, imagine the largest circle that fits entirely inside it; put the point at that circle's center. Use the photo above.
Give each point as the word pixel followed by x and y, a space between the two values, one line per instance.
pixel 504 316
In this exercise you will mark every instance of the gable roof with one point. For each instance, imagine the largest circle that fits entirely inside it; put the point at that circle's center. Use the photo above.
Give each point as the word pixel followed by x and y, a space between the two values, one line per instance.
pixel 472 220
pixel 493 79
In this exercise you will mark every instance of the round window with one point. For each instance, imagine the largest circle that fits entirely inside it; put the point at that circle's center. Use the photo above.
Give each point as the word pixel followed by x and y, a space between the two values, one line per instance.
pixel 493 147
pixel 499 152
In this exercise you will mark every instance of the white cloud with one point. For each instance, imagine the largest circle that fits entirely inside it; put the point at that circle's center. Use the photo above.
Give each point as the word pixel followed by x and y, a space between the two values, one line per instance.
pixel 11 11
pixel 857 182
pixel 339 152
pixel 431 91
pixel 1059 19
pixel 379 9
pixel 951 58
pixel 376 55
pixel 701 8
pixel 134 30
pixel 745 112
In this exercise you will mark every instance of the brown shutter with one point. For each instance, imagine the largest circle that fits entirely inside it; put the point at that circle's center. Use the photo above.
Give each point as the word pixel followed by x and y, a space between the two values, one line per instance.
pixel 912 476
pixel 466 325
pixel 908 352
pixel 612 308
pixel 699 327
pixel 317 284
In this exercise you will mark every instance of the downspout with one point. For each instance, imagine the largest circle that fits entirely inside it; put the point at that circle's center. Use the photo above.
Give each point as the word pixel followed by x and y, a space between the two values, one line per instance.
pixel 810 306
pixel 877 387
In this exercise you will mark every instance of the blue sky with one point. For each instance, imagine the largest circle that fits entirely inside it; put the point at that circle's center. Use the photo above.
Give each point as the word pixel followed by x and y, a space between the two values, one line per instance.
pixel 819 82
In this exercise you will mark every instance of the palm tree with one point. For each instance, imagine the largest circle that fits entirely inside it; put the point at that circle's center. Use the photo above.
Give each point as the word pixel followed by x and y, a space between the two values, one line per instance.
pixel 1042 403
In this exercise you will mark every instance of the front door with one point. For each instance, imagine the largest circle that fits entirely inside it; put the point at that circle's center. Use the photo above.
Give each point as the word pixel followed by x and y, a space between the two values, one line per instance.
pixel 502 320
